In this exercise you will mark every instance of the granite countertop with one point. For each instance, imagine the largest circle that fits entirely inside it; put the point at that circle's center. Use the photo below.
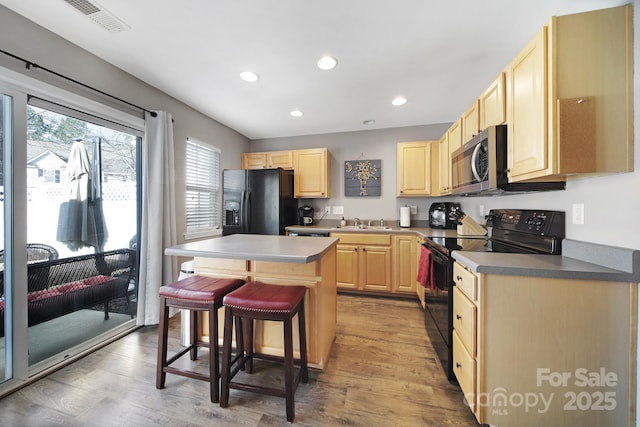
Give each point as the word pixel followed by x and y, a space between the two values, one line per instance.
pixel 256 247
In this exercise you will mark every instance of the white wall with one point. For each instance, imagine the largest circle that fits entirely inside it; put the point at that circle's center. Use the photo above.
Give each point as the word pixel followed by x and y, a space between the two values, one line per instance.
pixel 27 40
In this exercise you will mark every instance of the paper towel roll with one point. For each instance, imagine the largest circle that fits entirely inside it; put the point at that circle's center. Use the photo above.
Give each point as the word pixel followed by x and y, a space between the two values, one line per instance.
pixel 405 216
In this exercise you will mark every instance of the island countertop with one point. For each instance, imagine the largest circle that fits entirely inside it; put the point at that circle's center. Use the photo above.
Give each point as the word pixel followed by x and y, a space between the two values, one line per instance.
pixel 257 247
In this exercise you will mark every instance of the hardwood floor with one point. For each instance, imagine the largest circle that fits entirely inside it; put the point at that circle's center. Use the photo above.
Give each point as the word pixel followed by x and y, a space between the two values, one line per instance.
pixel 383 372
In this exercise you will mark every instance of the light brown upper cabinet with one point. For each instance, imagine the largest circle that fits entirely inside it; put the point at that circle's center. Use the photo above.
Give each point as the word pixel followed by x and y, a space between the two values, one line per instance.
pixel 570 98
pixel 470 122
pixel 269 159
pixel 454 135
pixel 413 167
pixel 444 166
pixel 254 160
pixel 311 173
pixel 492 110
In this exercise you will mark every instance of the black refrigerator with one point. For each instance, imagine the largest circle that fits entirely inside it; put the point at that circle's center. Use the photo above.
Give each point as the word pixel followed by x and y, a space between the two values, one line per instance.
pixel 258 201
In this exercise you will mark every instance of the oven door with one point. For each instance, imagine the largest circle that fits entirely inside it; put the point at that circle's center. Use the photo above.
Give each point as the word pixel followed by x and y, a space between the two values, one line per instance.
pixel 439 308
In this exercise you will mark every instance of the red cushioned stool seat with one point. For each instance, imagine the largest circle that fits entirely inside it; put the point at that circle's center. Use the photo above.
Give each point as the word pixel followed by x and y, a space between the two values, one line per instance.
pixel 261 301
pixel 195 293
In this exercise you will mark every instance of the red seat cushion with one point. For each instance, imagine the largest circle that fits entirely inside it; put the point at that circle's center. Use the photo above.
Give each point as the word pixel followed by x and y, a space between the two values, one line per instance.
pixel 258 296
pixel 200 288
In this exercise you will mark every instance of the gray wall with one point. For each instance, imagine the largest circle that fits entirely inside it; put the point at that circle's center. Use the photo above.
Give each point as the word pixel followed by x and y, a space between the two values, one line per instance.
pixel 29 41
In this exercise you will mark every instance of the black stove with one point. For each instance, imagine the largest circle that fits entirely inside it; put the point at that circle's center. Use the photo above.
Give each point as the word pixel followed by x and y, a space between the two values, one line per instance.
pixel 510 231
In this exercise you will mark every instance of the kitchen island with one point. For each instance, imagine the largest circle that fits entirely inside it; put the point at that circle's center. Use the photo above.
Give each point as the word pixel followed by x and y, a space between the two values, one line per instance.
pixel 278 260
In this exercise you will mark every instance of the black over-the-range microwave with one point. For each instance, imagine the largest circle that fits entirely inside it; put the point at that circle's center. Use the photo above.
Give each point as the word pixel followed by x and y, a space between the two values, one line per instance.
pixel 479 167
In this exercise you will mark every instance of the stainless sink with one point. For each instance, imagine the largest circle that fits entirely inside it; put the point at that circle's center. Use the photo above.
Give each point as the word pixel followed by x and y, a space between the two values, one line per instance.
pixel 362 227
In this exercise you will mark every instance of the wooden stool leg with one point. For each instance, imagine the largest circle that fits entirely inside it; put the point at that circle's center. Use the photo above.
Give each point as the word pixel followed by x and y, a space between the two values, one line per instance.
pixel 193 333
pixel 288 369
pixel 248 340
pixel 226 357
pixel 214 357
pixel 302 333
pixel 163 329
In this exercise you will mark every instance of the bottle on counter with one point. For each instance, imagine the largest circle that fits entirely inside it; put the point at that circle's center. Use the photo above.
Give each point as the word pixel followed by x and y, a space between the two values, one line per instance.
pixel 343 222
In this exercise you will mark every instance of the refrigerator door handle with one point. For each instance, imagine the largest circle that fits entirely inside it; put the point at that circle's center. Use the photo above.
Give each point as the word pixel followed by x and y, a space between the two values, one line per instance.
pixel 244 212
pixel 248 212
pixel 241 213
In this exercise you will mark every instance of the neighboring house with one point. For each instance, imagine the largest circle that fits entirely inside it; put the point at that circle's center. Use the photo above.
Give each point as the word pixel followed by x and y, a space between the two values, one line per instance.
pixel 46 167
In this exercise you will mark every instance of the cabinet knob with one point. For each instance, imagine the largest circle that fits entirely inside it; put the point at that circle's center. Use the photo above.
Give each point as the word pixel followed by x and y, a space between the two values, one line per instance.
pixel 458 278
pixel 458 317
pixel 458 365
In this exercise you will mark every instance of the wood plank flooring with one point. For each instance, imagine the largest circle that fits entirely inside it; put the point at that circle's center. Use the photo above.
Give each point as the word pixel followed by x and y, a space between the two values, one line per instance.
pixel 383 372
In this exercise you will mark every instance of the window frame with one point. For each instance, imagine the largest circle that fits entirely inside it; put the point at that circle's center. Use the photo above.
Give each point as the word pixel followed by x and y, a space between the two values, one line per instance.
pixel 191 185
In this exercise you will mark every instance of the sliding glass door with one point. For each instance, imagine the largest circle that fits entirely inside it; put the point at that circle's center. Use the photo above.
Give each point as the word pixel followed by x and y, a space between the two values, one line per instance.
pixel 68 236
pixel 83 175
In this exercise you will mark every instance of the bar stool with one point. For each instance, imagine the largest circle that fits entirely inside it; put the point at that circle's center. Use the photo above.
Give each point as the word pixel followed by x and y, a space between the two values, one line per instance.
pixel 261 301
pixel 198 294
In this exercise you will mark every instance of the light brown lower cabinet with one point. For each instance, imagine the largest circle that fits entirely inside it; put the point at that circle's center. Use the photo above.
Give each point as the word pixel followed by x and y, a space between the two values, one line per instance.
pixel 532 351
pixel 363 262
pixel 377 262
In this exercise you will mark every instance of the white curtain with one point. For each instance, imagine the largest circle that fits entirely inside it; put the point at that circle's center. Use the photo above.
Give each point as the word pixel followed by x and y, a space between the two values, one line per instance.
pixel 158 215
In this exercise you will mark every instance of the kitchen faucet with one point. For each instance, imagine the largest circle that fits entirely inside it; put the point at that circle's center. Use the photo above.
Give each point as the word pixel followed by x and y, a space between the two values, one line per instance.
pixel 356 220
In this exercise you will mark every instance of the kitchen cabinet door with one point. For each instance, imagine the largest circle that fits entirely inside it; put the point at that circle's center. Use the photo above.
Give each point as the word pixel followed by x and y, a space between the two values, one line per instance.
pixel 280 159
pixel 375 268
pixel 347 266
pixel 413 167
pixel 444 166
pixel 527 136
pixel 405 266
pixel 471 122
pixel 493 103
pixel 454 135
pixel 254 160
pixel 311 173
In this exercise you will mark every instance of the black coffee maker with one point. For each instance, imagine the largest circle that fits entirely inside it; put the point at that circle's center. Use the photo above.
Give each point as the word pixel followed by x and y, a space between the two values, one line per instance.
pixel 305 215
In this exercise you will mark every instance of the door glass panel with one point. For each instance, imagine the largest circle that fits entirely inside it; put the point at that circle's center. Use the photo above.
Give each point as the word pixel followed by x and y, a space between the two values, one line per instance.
pixel 5 344
pixel 81 228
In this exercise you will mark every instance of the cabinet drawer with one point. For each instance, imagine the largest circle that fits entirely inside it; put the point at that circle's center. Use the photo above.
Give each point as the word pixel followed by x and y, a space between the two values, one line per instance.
pixel 466 281
pixel 363 238
pixel 464 320
pixel 464 367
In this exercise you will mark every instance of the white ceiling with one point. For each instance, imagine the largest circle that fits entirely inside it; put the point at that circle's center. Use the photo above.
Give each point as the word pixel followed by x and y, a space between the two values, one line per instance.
pixel 439 55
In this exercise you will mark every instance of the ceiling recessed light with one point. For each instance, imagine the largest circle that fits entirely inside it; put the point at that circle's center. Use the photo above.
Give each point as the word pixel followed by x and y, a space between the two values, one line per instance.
pixel 327 63
pixel 249 76
pixel 400 100
pixel 369 122
pixel 296 113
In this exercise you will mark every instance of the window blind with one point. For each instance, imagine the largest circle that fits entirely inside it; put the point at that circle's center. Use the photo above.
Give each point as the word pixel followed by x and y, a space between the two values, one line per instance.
pixel 203 188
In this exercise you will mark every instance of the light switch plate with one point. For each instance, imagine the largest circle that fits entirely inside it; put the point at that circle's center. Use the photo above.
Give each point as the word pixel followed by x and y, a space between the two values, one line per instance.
pixel 338 210
pixel 413 210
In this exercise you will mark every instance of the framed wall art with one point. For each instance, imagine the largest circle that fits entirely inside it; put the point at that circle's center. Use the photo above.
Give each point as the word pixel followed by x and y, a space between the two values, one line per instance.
pixel 362 178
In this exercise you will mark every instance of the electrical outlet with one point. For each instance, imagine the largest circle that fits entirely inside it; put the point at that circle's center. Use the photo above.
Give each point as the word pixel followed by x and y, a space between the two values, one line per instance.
pixel 413 210
pixel 578 213
pixel 327 209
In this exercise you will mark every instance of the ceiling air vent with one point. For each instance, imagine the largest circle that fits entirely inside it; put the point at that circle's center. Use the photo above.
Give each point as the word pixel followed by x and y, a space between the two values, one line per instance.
pixel 99 15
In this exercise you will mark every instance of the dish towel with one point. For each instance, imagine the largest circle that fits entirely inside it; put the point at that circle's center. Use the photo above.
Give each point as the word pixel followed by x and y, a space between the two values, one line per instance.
pixel 424 268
